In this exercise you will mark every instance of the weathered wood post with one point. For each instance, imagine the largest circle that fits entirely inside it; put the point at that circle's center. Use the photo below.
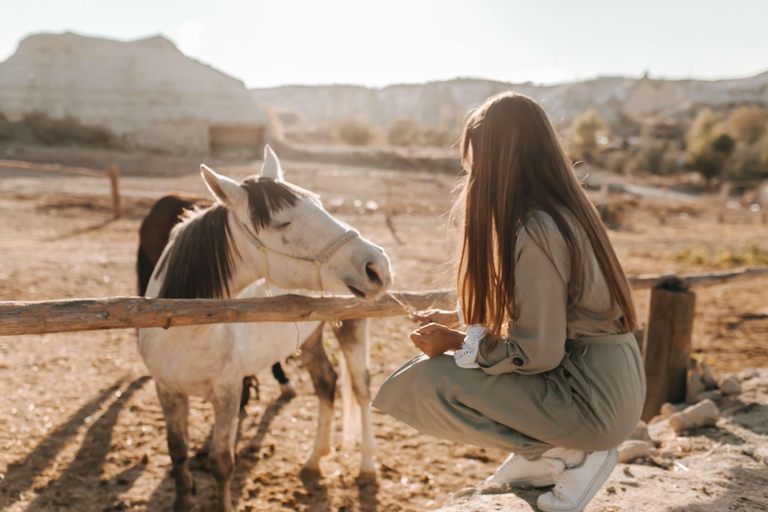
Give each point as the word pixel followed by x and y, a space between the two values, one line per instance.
pixel 667 345
pixel 114 176
pixel 762 194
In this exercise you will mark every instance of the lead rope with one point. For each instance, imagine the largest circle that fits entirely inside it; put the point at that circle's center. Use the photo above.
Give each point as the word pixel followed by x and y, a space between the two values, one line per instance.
pixel 262 250
pixel 319 260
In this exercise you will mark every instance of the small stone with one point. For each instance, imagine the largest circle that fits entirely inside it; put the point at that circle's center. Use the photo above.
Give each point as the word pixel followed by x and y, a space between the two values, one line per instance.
pixel 715 396
pixel 707 375
pixel 729 384
pixel 749 373
pixel 693 387
pixel 633 449
pixel 640 433
pixel 667 410
pixel 699 415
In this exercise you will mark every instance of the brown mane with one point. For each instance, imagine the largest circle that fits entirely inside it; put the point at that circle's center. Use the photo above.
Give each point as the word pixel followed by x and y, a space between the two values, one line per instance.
pixel 201 255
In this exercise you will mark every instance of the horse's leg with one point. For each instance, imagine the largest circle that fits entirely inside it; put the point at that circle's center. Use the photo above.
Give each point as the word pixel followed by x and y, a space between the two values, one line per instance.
pixel 286 388
pixel 249 382
pixel 353 339
pixel 226 407
pixel 176 411
pixel 324 380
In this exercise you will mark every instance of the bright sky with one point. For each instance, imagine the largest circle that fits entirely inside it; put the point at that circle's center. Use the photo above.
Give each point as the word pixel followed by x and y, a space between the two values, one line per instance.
pixel 275 42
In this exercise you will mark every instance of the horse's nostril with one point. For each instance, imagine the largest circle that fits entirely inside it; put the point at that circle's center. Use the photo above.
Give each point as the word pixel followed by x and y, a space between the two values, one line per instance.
pixel 370 271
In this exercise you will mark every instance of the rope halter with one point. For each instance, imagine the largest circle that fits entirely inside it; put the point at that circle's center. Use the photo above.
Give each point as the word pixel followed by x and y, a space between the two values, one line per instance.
pixel 318 260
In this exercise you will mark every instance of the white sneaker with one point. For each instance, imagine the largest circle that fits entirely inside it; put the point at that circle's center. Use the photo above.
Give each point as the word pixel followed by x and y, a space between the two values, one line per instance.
pixel 517 471
pixel 575 487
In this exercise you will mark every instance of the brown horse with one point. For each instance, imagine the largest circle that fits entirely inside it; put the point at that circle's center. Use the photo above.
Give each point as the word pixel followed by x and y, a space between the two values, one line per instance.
pixel 153 237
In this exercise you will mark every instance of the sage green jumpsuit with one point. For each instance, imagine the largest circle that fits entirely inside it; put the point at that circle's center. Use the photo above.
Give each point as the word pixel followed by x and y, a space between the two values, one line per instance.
pixel 566 376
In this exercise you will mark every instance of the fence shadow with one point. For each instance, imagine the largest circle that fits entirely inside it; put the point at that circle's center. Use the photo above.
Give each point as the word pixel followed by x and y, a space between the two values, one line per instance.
pixel 73 482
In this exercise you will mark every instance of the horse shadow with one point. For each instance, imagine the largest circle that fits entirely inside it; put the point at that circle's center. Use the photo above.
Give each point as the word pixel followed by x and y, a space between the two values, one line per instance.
pixel 246 459
pixel 76 482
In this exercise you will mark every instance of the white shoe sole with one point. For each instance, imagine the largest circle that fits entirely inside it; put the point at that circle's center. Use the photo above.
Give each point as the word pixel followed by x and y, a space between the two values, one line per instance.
pixel 539 481
pixel 597 482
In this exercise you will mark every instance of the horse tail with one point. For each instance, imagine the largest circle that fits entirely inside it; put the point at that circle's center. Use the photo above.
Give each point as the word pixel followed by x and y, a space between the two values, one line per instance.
pixel 144 268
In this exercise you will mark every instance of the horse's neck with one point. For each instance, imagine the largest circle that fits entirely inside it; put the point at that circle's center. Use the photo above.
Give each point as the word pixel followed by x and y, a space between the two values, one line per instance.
pixel 247 267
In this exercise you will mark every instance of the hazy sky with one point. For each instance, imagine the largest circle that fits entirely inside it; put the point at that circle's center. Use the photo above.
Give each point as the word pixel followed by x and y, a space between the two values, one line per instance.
pixel 275 42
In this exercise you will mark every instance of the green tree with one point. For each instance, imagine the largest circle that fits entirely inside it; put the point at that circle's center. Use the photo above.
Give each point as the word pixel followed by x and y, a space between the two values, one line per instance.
pixel 585 131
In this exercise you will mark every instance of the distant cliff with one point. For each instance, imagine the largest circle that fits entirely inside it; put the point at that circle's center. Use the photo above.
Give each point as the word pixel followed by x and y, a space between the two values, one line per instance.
pixel 617 99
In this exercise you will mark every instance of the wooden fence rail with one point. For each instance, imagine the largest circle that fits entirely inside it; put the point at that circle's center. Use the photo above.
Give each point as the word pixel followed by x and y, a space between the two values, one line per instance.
pixel 126 312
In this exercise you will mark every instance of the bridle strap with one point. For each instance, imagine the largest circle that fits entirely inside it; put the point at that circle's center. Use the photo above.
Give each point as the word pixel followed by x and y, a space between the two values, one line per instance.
pixel 318 260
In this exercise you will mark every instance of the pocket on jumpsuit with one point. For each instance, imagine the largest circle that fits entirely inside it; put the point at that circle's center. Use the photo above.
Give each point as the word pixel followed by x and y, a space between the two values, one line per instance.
pixel 566 400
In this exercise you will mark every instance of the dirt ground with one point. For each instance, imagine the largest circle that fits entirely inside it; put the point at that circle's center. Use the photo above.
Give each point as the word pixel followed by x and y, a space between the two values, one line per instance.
pixel 81 428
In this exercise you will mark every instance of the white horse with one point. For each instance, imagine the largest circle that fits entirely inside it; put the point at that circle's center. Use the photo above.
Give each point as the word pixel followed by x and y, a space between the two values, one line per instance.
pixel 260 228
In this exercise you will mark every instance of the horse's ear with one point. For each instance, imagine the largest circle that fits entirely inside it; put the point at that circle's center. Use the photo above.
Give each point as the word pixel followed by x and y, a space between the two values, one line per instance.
pixel 271 167
pixel 224 189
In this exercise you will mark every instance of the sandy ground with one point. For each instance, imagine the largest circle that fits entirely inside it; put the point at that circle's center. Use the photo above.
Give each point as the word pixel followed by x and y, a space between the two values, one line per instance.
pixel 81 428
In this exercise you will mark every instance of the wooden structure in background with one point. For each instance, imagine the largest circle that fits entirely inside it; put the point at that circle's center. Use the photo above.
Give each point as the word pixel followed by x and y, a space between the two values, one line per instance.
pixel 113 174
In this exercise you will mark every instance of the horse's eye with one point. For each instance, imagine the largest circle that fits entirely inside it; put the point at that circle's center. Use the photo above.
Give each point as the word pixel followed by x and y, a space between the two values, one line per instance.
pixel 283 225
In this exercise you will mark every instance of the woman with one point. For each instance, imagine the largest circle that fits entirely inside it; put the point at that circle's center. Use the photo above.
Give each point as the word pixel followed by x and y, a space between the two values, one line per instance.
pixel 548 368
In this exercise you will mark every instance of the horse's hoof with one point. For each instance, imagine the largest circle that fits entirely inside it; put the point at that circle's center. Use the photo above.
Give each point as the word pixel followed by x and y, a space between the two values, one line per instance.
pixel 310 473
pixel 287 392
pixel 366 476
pixel 183 503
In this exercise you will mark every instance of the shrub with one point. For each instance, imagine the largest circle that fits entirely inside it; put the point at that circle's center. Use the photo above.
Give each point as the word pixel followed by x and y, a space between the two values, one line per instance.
pixel 749 162
pixel 709 146
pixel 747 125
pixel 355 132
pixel 584 133
pixel 432 136
pixel 403 131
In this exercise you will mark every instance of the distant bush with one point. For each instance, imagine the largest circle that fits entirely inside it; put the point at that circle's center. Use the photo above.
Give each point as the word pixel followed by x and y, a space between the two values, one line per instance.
pixel 355 132
pixel 432 136
pixel 650 156
pixel 38 128
pixel 747 125
pixel 405 131
pixel 749 162
pixel 751 255
pixel 709 146
pixel 583 135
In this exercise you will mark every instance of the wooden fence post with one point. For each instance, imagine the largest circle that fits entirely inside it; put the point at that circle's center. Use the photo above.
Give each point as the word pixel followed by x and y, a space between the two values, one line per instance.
pixel 667 346
pixel 114 176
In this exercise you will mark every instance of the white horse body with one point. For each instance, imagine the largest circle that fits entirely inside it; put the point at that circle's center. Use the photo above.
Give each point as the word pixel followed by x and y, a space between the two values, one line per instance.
pixel 198 359
pixel 260 228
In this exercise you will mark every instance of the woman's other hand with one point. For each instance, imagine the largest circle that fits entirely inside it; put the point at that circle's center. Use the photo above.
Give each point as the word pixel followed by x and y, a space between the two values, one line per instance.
pixel 449 319
pixel 435 339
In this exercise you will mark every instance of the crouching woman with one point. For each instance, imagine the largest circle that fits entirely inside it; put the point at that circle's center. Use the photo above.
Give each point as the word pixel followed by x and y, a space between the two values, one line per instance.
pixel 548 367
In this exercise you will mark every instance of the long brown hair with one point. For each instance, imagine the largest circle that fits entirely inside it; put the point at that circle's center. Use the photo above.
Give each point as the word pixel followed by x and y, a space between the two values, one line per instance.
pixel 515 162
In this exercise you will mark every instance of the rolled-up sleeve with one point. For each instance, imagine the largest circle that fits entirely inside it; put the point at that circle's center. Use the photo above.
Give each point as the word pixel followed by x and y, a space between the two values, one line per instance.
pixel 537 337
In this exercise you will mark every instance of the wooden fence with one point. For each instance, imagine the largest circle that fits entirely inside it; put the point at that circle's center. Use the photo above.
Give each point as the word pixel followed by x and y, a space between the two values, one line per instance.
pixel 69 315
pixel 113 174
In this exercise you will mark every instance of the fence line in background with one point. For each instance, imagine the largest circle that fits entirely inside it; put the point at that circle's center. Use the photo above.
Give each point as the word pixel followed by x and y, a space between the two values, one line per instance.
pixel 113 174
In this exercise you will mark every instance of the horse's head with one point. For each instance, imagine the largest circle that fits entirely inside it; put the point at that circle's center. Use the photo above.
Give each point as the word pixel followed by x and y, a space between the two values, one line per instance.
pixel 292 240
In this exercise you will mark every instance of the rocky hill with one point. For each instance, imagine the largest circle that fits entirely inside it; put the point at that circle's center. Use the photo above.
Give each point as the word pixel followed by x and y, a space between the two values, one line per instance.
pixel 443 103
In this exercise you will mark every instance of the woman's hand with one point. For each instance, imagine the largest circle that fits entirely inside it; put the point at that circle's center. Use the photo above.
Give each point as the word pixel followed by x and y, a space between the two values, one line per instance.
pixel 435 339
pixel 437 316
